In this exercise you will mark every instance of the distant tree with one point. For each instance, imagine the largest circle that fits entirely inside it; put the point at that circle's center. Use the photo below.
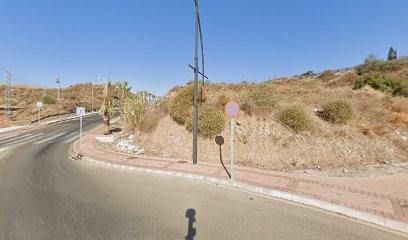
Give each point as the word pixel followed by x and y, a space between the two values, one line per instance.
pixel 392 54
pixel 371 59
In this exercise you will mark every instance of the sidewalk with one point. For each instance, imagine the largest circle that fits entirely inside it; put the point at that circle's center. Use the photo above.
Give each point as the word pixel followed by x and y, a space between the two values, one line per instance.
pixel 379 200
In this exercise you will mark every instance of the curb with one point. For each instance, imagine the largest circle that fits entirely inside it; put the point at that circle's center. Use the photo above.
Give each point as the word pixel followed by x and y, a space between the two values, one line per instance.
pixel 350 212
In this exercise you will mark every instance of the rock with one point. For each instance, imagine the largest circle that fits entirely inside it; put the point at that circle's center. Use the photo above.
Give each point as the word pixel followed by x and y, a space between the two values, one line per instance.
pixel 131 137
pixel 349 151
pixel 105 139
pixel 404 138
pixel 345 170
pixel 125 146
pixel 318 167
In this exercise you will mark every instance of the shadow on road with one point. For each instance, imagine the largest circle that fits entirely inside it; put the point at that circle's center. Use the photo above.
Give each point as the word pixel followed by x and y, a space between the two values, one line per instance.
pixel 220 141
pixel 191 231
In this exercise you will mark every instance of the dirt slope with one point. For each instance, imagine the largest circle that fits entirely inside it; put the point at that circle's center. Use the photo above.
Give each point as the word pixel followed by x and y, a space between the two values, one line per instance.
pixel 378 133
pixel 24 100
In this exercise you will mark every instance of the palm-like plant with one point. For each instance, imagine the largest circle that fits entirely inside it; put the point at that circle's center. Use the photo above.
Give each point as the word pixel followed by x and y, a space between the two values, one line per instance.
pixel 124 88
pixel 107 111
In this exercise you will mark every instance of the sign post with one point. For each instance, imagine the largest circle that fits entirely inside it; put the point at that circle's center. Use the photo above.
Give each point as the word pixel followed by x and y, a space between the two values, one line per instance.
pixel 80 111
pixel 232 109
pixel 39 106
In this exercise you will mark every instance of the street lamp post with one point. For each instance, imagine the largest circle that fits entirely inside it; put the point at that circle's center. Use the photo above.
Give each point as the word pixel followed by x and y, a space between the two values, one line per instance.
pixel 195 87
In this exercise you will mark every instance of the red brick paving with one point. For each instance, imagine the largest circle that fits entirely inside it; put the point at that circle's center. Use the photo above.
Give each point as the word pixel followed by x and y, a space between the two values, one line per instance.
pixel 370 195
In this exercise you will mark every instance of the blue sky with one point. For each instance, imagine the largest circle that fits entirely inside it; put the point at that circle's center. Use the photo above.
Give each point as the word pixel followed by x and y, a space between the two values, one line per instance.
pixel 150 43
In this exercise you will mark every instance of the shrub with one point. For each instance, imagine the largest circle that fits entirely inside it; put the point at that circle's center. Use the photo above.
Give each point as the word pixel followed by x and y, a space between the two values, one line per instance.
pixel 327 75
pixel 137 107
pixel 181 108
pixel 264 96
pixel 338 111
pixel 48 100
pixel 349 77
pixel 379 81
pixel 211 121
pixel 222 100
pixel 307 74
pixel 247 108
pixel 151 118
pixel 295 118
pixel 375 65
pixel 182 104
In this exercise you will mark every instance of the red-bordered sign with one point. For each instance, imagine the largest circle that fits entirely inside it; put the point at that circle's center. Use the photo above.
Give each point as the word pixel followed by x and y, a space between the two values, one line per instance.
pixel 232 109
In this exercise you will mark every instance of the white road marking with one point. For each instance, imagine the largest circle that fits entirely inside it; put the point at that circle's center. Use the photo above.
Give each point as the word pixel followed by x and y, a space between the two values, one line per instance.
pixel 50 138
pixel 10 139
pixel 25 139
pixel 71 137
pixel 3 149
pixel 10 136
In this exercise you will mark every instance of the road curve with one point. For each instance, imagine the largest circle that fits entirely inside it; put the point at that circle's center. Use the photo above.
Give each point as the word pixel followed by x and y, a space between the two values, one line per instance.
pixel 46 195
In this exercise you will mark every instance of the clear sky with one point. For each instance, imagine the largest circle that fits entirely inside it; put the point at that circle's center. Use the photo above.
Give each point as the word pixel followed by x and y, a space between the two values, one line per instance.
pixel 150 43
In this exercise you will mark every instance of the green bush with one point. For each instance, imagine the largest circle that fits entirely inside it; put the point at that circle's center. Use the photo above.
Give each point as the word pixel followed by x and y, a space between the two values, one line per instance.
pixel 375 65
pixel 138 107
pixel 308 74
pixel 264 96
pixel 211 121
pixel 182 105
pixel 48 100
pixel 295 118
pixel 379 81
pixel 338 111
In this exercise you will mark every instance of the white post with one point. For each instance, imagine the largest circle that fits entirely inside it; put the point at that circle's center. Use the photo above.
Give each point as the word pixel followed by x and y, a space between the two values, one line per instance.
pixel 80 129
pixel 232 148
pixel 39 118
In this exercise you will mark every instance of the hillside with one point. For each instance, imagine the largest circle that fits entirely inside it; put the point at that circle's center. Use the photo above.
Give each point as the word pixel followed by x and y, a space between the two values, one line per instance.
pixel 24 100
pixel 328 121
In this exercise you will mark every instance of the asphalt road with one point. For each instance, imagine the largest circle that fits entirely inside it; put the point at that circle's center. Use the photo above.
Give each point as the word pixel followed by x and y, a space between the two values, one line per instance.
pixel 46 195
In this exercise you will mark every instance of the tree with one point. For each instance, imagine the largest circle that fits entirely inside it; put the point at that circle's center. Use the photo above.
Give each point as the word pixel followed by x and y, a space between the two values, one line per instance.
pixel 107 110
pixel 392 54
pixel 124 88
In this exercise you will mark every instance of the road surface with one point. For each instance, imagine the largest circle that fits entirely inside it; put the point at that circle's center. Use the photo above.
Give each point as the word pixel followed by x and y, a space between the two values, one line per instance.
pixel 46 195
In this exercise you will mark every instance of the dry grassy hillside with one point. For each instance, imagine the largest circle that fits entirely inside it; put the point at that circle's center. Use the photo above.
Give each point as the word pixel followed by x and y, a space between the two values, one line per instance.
pixel 24 100
pixel 292 123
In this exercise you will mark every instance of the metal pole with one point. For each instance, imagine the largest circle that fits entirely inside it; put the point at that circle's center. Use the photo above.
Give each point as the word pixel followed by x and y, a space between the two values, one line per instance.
pixel 7 101
pixel 92 97
pixel 232 148
pixel 195 87
pixel 39 114
pixel 80 129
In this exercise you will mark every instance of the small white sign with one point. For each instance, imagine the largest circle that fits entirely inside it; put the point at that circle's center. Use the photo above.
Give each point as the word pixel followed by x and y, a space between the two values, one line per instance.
pixel 39 104
pixel 80 111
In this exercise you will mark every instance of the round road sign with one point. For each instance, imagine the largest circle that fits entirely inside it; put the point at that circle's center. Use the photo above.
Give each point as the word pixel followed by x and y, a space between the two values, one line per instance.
pixel 232 109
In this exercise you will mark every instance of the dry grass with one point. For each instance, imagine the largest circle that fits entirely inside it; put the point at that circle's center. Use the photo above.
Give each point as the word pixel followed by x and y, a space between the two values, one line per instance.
pixel 24 98
pixel 152 117
pixel 374 134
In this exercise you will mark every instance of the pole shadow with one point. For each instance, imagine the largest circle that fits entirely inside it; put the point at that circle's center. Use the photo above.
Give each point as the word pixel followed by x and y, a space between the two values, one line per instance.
pixel 191 231
pixel 220 141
